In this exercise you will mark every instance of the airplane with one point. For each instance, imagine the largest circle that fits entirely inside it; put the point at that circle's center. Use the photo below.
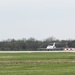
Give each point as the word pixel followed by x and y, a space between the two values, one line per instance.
pixel 51 48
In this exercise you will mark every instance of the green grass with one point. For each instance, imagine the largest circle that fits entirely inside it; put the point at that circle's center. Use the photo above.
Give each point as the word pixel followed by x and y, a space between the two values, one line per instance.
pixel 37 63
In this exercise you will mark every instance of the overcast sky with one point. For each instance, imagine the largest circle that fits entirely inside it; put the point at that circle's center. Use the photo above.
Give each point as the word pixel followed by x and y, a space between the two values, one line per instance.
pixel 37 18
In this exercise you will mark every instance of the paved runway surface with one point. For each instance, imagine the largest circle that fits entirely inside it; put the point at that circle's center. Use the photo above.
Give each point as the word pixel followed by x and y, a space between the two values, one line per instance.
pixel 31 51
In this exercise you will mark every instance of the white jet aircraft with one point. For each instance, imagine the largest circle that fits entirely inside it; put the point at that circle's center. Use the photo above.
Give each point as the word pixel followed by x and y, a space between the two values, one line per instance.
pixel 51 46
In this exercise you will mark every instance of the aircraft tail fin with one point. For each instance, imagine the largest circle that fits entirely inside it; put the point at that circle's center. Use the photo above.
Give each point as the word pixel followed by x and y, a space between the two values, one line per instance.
pixel 54 45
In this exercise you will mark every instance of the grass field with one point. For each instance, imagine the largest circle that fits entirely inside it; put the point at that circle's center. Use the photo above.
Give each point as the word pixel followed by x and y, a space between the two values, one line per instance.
pixel 37 63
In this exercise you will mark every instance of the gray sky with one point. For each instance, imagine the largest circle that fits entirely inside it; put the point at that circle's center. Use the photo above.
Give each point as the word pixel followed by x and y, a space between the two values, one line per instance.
pixel 37 18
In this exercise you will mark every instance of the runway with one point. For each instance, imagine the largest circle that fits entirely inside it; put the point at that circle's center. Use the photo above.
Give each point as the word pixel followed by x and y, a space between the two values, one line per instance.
pixel 32 51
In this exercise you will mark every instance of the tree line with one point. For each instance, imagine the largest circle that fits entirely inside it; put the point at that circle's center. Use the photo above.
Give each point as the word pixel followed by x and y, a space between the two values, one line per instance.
pixel 32 44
